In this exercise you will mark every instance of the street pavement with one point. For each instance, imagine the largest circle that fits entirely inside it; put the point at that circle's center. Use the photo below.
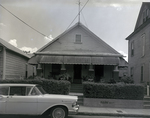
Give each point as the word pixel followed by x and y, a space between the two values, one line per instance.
pixel 93 111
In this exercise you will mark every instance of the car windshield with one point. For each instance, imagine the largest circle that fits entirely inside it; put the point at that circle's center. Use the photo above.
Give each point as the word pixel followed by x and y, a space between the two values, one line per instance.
pixel 41 89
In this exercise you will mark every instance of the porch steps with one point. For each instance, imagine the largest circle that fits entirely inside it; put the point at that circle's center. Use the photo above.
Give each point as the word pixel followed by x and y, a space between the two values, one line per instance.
pixel 76 88
pixel 146 102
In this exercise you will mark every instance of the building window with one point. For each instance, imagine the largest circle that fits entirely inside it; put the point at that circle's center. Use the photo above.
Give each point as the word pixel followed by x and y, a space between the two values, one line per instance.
pixel 143 44
pixel 132 48
pixel 56 69
pixel 131 72
pixel 78 38
pixel 145 15
pixel 142 73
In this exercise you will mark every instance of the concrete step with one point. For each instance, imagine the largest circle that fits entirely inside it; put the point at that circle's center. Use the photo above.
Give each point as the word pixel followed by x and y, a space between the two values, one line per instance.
pixel 76 88
pixel 146 102
pixel 80 100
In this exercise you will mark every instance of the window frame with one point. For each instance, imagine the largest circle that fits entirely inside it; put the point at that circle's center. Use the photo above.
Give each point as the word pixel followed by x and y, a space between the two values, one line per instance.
pixel 78 39
pixel 132 48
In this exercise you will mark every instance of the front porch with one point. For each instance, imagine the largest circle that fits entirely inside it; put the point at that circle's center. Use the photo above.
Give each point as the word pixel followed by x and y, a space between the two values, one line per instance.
pixel 77 73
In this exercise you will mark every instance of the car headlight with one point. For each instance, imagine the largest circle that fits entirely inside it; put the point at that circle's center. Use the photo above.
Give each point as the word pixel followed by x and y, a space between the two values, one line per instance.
pixel 74 104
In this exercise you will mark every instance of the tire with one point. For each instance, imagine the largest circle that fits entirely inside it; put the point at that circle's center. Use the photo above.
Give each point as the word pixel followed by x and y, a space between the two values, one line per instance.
pixel 59 112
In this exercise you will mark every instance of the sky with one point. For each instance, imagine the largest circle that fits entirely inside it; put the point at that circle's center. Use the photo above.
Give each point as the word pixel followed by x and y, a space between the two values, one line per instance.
pixel 110 20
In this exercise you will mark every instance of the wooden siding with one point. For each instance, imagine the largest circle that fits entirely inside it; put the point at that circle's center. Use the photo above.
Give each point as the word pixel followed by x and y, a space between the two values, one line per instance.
pixel 137 60
pixel 89 43
pixel 15 65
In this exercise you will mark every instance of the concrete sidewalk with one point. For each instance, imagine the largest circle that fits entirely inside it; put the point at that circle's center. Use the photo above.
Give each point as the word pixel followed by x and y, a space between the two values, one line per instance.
pixel 114 112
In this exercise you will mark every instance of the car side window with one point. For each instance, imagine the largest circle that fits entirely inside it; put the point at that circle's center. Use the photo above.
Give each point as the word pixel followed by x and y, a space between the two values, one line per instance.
pixel 34 91
pixel 18 91
pixel 4 90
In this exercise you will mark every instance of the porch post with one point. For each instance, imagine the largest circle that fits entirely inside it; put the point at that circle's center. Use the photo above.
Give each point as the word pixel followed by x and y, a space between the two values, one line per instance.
pixel 116 73
pixel 63 68
pixel 39 70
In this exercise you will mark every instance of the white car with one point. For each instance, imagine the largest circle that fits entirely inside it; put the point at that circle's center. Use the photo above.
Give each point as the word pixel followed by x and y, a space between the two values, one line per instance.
pixel 31 99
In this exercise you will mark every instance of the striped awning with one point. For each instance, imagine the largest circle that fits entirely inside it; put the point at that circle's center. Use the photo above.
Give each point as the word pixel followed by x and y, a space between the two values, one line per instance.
pixel 52 59
pixel 79 60
pixel 105 60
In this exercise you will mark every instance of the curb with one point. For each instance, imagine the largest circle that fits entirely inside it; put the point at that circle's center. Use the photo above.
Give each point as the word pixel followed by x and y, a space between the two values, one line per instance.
pixel 113 114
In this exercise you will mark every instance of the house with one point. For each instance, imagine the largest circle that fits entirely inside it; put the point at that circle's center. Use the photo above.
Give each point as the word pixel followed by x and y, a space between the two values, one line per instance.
pixel 139 47
pixel 13 62
pixel 79 53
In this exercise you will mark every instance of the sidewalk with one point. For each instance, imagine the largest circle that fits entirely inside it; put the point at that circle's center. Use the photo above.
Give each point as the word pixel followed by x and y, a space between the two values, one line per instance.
pixel 114 112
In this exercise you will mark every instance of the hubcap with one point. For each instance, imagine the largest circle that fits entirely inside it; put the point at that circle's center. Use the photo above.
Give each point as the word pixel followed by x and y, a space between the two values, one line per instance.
pixel 58 113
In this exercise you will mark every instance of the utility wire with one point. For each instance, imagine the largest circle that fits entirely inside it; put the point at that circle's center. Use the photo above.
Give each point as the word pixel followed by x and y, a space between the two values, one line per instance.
pixel 23 21
pixel 84 19
pixel 78 14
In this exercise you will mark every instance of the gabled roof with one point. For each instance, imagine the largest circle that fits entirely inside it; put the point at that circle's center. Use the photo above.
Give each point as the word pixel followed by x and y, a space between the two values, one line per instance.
pixel 13 48
pixel 87 30
pixel 139 24
pixel 140 16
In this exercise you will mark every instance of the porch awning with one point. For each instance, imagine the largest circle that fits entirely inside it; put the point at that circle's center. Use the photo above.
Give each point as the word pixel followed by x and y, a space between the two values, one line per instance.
pixel 79 60
pixel 52 59
pixel 105 60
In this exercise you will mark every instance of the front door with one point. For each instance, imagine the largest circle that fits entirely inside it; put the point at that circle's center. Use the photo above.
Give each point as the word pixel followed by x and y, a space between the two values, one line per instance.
pixel 77 74
pixel 99 72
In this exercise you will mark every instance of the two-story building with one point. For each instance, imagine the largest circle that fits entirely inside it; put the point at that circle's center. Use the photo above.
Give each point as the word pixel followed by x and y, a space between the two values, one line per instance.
pixel 139 47
pixel 79 53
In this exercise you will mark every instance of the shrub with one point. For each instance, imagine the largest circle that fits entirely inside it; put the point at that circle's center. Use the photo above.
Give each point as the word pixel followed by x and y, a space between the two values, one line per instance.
pixel 50 86
pixel 113 91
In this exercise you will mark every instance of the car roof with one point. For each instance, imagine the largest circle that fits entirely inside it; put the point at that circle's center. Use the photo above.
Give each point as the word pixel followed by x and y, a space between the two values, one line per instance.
pixel 16 84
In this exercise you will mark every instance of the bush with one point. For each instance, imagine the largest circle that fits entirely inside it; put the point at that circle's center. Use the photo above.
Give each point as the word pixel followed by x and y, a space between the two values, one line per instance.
pixel 113 91
pixel 50 86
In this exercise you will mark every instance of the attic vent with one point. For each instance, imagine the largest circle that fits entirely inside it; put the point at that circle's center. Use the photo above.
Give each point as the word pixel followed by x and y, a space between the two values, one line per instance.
pixel 78 38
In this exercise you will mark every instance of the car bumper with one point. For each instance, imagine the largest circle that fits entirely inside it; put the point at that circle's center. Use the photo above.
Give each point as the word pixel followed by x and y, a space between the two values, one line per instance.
pixel 74 110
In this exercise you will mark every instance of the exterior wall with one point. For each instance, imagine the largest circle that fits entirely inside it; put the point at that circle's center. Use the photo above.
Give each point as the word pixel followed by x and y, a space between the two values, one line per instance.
pixel 138 60
pixel 15 65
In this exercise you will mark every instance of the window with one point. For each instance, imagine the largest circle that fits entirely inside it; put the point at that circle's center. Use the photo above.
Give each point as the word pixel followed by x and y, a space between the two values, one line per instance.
pixel 142 73
pixel 131 71
pixel 56 69
pixel 143 44
pixel 18 91
pixel 132 48
pixel 145 15
pixel 78 38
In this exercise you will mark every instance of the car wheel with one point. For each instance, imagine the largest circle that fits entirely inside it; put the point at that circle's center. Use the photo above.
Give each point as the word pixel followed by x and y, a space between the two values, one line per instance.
pixel 59 112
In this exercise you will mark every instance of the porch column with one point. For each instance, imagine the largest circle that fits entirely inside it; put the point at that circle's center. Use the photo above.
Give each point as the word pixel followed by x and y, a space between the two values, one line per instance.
pixel 39 70
pixel 63 68
pixel 91 72
pixel 116 73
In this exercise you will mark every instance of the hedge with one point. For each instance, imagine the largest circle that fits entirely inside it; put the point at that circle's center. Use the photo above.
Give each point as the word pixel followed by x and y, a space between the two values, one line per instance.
pixel 50 86
pixel 113 91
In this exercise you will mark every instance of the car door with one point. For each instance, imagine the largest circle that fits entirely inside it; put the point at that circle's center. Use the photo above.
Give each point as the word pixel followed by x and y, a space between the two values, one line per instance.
pixel 19 102
pixel 3 98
